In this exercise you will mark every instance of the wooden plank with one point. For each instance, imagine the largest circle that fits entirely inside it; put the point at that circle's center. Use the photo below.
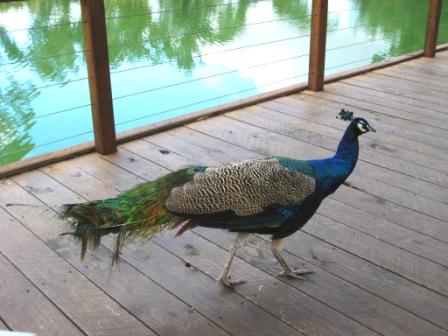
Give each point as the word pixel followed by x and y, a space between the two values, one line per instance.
pixel 203 293
pixel 97 57
pixel 406 239
pixel 311 316
pixel 366 94
pixel 355 104
pixel 368 309
pixel 408 265
pixel 138 165
pixel 416 74
pixel 424 74
pixel 392 140
pixel 82 302
pixel 25 308
pixel 392 212
pixel 434 119
pixel 401 159
pixel 227 308
pixel 317 45
pixel 432 27
pixel 414 89
pixel 157 154
pixel 150 302
pixel 376 84
pixel 409 129
pixel 407 100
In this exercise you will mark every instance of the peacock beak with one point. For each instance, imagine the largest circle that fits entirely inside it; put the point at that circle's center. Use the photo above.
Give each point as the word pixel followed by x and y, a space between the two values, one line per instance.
pixel 371 129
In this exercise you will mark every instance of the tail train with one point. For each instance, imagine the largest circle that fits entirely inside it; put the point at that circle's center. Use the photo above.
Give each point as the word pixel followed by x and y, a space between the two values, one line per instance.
pixel 138 212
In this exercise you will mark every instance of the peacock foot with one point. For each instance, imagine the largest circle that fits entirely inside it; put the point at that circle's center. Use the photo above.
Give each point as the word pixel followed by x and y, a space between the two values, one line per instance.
pixel 226 281
pixel 295 273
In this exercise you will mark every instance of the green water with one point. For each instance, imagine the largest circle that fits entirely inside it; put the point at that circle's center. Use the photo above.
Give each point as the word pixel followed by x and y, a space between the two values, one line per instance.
pixel 172 57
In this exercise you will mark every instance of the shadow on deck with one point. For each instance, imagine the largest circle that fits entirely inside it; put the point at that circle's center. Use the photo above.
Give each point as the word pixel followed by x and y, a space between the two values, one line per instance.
pixel 378 246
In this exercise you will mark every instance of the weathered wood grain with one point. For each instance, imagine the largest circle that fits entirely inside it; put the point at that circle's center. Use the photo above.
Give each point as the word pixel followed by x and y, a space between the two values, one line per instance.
pixel 380 110
pixel 362 306
pixel 24 307
pixel 86 305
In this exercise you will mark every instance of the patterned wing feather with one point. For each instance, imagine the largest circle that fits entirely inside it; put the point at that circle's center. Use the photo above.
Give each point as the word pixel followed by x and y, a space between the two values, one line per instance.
pixel 246 188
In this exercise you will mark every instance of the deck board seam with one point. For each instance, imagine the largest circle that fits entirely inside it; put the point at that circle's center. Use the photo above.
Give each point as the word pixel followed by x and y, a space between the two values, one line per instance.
pixel 37 288
pixel 331 100
pixel 358 84
pixel 378 265
pixel 271 108
pixel 380 106
pixel 325 96
pixel 384 74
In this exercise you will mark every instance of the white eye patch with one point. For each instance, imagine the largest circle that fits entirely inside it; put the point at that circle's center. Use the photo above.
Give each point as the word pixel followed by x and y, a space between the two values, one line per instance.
pixel 362 127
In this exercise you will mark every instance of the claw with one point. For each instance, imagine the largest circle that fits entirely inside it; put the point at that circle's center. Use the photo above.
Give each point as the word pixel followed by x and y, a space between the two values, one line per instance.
pixel 230 283
pixel 295 273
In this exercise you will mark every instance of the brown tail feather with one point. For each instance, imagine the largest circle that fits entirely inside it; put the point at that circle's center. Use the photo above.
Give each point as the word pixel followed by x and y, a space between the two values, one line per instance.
pixel 187 225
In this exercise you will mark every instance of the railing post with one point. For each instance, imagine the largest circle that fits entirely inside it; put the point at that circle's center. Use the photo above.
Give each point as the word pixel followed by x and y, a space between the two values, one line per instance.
pixel 432 27
pixel 317 45
pixel 95 41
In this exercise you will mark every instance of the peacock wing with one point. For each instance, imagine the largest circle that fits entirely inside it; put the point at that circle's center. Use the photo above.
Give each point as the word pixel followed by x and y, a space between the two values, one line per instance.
pixel 246 188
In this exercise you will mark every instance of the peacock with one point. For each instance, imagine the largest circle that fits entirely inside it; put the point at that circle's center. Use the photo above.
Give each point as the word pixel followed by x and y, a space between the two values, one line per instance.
pixel 273 195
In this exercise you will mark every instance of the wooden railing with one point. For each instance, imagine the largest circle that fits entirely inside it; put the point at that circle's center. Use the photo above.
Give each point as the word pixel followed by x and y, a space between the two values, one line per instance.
pixel 105 138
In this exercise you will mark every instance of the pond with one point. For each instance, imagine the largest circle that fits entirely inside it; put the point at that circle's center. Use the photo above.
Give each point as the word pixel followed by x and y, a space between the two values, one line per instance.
pixel 172 57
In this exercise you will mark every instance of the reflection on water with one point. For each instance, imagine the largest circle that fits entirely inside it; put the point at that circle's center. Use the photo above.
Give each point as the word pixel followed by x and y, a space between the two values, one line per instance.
pixel 171 57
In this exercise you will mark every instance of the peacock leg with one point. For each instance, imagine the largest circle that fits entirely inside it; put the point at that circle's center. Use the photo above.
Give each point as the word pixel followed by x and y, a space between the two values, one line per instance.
pixel 277 248
pixel 225 278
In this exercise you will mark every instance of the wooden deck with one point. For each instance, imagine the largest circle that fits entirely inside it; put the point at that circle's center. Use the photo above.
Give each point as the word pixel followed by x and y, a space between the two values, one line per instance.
pixel 378 246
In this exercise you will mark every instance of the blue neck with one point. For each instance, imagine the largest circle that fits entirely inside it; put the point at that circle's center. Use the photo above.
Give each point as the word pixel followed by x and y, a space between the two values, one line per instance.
pixel 348 148
pixel 330 173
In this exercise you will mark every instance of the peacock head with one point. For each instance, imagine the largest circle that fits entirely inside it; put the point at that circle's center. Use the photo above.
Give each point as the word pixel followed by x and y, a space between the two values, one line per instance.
pixel 361 126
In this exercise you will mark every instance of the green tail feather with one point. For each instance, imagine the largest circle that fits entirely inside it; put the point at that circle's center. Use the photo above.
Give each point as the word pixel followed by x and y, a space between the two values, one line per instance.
pixel 138 212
